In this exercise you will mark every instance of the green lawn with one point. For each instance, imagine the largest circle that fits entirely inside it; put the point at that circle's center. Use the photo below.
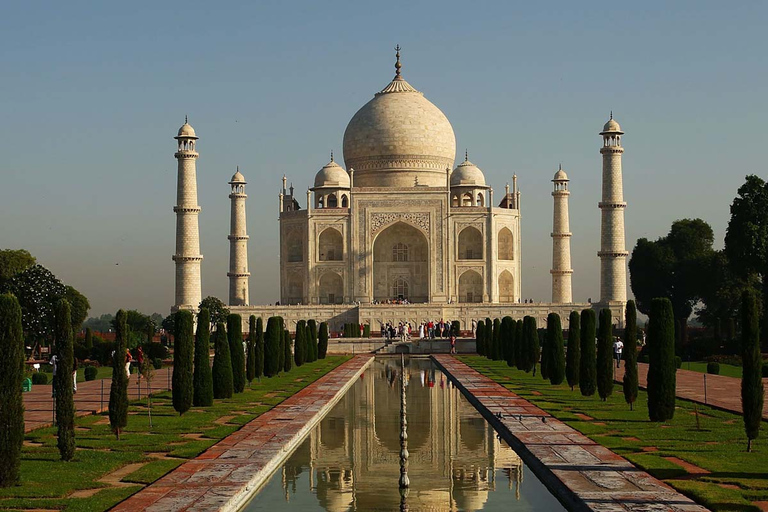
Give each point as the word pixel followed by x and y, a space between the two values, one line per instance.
pixel 718 444
pixel 727 370
pixel 47 482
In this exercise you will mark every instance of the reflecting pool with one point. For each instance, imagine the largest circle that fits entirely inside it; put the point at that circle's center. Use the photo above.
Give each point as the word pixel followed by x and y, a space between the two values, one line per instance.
pixel 351 460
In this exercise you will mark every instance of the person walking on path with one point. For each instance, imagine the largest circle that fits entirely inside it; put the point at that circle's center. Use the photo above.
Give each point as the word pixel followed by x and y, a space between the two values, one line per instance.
pixel 54 361
pixel 453 343
pixel 74 375
pixel 128 359
pixel 140 360
pixel 618 348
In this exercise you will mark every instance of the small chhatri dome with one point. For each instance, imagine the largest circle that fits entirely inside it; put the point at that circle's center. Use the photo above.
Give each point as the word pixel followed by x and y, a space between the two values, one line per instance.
pixel 560 175
pixel 611 126
pixel 186 130
pixel 467 174
pixel 332 175
pixel 238 177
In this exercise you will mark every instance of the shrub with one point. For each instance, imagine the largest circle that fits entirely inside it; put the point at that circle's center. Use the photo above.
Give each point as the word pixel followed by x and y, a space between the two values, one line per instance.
pixel 81 352
pixel 604 356
pixel 183 361
pixel 157 363
pixel 272 346
pixel 556 363
pixel 259 348
pixel 661 367
pixel 153 350
pixel 678 362
pixel 301 343
pixel 11 378
pixel 287 357
pixel 644 358
pixel 507 339
pixel 90 373
pixel 202 395
pixel 313 353
pixel 545 359
pixel 573 355
pixel 713 368
pixel 488 341
pixel 222 364
pixel 250 353
pixel 480 338
pixel 630 382
pixel 530 338
pixel 118 392
pixel 456 328
pixel 236 352
pixel 497 350
pixel 588 360
pixel 367 331
pixel 39 378
pixel 519 344
pixel 751 381
pixel 322 345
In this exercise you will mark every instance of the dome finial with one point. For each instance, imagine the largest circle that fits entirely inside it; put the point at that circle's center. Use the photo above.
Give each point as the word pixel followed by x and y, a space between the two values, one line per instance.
pixel 331 155
pixel 397 63
pixel 611 114
pixel 186 119
pixel 560 167
pixel 466 155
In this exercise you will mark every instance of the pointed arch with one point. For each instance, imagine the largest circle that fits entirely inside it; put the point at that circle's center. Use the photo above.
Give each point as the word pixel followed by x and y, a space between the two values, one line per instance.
pixel 331 288
pixel 506 245
pixel 470 287
pixel 470 244
pixel 330 245
pixel 294 246
pixel 506 287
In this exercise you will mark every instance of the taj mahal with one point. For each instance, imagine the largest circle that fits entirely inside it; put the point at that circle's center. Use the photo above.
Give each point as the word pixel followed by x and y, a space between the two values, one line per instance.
pixel 401 233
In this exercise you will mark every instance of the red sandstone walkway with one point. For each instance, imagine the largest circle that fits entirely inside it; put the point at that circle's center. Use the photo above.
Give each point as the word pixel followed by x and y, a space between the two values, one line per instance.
pixel 224 476
pixel 92 397
pixel 723 392
pixel 582 473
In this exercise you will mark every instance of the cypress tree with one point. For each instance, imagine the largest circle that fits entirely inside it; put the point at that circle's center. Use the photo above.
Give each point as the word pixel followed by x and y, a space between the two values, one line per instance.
pixel 235 337
pixel 480 337
pixel 272 346
pixel 588 360
pixel 751 381
pixel 519 344
pixel 11 400
pixel 301 343
pixel 573 359
pixel 183 360
pixel 630 382
pixel 250 356
pixel 556 368
pixel 536 348
pixel 661 364
pixel 545 354
pixel 507 334
pixel 281 347
pixel 88 340
pixel 322 345
pixel 529 340
pixel 202 379
pixel 604 355
pixel 118 392
pixel 488 341
pixel 497 340
pixel 288 358
pixel 223 379
pixel 259 348
pixel 312 339
pixel 65 402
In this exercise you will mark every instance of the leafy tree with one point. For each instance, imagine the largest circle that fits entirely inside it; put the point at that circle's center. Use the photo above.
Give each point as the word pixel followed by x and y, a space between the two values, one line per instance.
pixel 259 348
pixel 301 343
pixel 588 359
pixel 751 381
pixel 556 368
pixel 497 339
pixel 105 322
pixel 530 338
pixel 183 361
pixel 573 355
pixel 508 339
pixel 63 385
pixel 223 386
pixel 604 355
pixel 675 267
pixel 203 377
pixel 88 341
pixel 746 239
pixel 167 325
pixel 630 382
pixel 138 326
pixel 235 334
pixel 322 345
pixel 14 261
pixel 480 338
pixel 79 306
pixel 272 346
pixel 118 393
pixel 219 311
pixel 11 401
pixel 250 356
pixel 287 357
pixel 661 363
pixel 38 290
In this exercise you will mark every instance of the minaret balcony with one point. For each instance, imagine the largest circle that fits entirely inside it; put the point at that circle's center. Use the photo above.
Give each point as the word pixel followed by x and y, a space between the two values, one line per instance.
pixel 185 153
pixel 238 237
pixel 238 274
pixel 187 209
pixel 561 235
pixel 561 271
pixel 611 204
pixel 612 254
pixel 181 257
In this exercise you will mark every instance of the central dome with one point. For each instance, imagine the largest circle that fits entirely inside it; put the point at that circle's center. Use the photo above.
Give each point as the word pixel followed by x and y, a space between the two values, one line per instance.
pixel 399 138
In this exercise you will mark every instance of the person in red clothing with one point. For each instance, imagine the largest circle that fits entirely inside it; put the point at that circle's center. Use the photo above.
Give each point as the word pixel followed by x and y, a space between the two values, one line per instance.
pixel 140 360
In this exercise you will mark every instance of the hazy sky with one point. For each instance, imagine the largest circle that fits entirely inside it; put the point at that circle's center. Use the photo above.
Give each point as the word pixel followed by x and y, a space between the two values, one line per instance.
pixel 93 92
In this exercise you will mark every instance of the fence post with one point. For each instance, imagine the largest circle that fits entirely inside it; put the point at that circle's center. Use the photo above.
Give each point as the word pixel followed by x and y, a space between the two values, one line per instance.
pixel 705 388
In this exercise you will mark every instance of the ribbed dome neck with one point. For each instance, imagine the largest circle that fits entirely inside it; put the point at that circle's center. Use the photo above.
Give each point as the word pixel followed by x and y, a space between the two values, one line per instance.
pixel 398 85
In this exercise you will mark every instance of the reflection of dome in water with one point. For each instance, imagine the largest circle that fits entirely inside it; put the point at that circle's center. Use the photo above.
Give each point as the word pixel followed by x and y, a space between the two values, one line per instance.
pixel 397 136
pixel 334 492
pixel 469 499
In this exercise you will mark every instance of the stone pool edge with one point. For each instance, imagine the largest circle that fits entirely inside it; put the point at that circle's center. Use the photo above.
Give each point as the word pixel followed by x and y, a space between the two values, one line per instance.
pixel 157 496
pixel 574 494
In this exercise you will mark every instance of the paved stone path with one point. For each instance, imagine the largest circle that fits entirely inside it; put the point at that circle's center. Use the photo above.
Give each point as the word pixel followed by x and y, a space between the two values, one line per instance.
pixel 223 477
pixel 580 472
pixel 92 397
pixel 723 392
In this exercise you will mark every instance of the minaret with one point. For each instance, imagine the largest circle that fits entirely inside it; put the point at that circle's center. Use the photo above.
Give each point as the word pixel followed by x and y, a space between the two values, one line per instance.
pixel 238 244
pixel 613 255
pixel 561 242
pixel 187 256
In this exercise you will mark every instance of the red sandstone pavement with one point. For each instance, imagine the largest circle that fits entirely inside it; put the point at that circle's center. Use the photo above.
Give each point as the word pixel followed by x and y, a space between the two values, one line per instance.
pixel 224 476
pixel 92 397
pixel 582 473
pixel 723 392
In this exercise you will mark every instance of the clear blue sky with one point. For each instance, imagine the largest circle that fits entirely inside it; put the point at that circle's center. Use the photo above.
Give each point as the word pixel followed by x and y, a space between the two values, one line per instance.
pixel 93 92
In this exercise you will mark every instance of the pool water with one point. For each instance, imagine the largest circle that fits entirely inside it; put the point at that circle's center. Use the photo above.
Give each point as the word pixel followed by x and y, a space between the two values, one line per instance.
pixel 351 459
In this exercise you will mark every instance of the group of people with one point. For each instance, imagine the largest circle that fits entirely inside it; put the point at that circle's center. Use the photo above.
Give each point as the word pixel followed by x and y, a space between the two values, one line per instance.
pixel 426 330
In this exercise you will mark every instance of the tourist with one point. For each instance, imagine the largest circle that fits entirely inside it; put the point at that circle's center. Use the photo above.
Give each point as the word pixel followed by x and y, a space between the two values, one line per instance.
pixel 421 331
pixel 474 327
pixel 140 358
pixel 128 360
pixel 453 343
pixel 618 348
pixel 74 375
pixel 54 361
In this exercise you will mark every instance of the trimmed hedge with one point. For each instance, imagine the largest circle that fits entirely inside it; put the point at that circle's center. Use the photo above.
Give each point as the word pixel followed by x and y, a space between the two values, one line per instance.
pixel 11 379
pixel 661 368
pixel 236 352
pixel 223 386
pixel 203 376
pixel 39 378
pixel 322 345
pixel 605 356
pixel 573 355
pixel 90 373
pixel 588 360
pixel 630 383
pixel 118 392
pixel 713 368
pixel 183 360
